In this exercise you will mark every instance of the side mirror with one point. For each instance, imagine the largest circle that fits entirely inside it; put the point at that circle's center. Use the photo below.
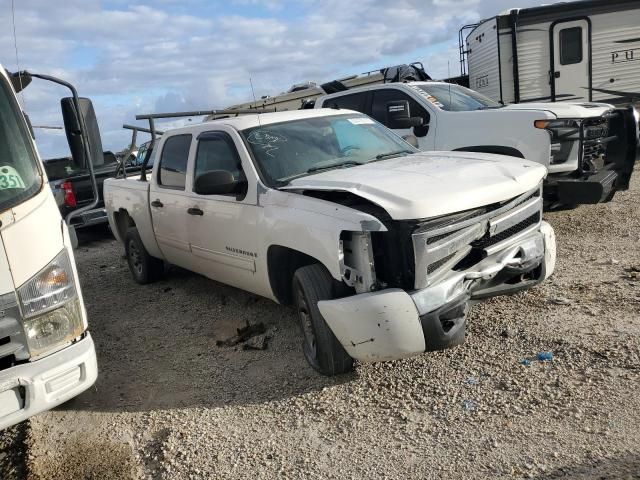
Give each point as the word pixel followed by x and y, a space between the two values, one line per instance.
pixel 421 131
pixel 217 182
pixel 73 128
pixel 398 115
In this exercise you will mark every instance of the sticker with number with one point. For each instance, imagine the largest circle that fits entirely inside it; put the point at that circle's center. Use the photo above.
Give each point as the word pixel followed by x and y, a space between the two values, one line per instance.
pixel 10 178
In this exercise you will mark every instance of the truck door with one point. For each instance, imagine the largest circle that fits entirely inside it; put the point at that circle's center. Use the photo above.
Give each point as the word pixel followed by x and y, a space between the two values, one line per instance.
pixel 223 228
pixel 424 134
pixel 169 200
pixel 571 51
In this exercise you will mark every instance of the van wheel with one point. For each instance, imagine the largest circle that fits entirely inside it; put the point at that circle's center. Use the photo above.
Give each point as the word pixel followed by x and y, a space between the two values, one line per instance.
pixel 320 346
pixel 144 268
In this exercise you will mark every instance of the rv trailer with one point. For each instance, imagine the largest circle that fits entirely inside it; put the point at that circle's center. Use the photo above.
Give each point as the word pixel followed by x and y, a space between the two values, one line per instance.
pixel 572 51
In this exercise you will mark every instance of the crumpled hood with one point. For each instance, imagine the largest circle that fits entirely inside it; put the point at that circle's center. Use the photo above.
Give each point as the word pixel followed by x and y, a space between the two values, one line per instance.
pixel 430 184
pixel 565 109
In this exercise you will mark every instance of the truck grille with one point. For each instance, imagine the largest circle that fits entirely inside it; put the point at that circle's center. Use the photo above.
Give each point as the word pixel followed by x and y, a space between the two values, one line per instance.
pixel 13 343
pixel 595 132
pixel 438 250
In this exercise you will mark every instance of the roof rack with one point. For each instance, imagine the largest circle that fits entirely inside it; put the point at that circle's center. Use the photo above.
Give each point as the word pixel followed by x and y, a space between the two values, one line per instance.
pixel 151 117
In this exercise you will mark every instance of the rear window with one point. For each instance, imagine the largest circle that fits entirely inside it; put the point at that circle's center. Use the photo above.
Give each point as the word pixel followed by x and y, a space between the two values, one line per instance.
pixel 354 101
pixel 173 162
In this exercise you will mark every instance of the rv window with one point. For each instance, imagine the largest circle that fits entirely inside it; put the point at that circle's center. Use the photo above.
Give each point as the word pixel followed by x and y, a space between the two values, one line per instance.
pixel 571 46
pixel 382 97
pixel 173 162
pixel 355 101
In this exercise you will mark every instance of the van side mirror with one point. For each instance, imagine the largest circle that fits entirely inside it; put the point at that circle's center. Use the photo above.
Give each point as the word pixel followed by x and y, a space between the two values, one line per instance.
pixel 398 116
pixel 218 182
pixel 73 128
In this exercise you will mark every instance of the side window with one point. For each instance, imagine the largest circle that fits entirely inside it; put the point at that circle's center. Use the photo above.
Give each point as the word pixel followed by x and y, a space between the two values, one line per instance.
pixel 173 162
pixel 354 101
pixel 571 46
pixel 216 151
pixel 382 97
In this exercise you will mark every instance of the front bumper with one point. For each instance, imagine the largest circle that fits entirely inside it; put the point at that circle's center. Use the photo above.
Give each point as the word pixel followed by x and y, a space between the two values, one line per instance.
pixel 390 324
pixel 34 387
pixel 591 189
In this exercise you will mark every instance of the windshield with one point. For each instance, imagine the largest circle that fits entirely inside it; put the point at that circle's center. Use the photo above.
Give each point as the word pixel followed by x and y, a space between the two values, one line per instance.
pixel 19 175
pixel 455 98
pixel 287 150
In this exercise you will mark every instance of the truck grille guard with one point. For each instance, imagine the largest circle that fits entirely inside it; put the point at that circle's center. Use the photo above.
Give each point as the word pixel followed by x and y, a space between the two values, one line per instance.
pixel 459 245
pixel 594 136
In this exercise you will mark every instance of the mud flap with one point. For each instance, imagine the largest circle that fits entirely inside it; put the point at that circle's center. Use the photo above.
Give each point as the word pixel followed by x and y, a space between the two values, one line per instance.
pixel 623 153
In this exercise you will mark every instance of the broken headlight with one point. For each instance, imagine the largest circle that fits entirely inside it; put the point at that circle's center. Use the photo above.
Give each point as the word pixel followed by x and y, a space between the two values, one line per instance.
pixel 50 306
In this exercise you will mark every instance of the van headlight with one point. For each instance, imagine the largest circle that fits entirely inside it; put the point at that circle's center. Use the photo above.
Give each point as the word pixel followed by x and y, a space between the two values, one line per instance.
pixel 51 310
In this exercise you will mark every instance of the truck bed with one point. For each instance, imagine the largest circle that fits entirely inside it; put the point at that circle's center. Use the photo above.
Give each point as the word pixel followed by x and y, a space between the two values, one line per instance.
pixel 129 197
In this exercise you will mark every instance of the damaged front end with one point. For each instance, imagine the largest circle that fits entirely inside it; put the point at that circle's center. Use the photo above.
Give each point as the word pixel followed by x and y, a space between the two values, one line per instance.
pixel 455 260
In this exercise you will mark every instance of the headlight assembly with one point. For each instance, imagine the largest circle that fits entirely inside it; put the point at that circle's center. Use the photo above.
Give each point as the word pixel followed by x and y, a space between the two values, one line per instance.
pixel 51 310
pixel 54 328
pixel 49 288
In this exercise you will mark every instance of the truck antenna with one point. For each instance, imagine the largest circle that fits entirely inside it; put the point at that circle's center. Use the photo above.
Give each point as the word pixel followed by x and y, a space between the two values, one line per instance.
pixel 15 45
pixel 254 101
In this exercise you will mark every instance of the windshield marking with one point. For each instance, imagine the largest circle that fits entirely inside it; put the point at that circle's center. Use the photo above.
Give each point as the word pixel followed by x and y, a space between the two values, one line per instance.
pixel 266 140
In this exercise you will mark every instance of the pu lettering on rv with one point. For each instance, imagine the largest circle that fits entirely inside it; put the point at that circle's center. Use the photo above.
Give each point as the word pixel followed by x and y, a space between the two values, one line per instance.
pixel 622 56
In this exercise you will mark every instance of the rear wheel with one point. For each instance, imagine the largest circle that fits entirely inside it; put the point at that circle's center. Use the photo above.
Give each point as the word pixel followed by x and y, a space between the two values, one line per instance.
pixel 144 268
pixel 322 350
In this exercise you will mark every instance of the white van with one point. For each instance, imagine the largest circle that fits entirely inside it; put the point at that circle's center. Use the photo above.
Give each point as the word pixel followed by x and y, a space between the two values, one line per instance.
pixel 47 355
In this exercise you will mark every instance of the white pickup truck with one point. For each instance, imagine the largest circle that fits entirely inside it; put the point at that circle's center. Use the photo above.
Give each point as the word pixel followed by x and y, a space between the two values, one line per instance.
pixel 589 149
pixel 380 247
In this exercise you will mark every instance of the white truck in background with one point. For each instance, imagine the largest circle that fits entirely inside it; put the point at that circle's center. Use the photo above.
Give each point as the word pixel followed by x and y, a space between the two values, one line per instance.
pixel 589 149
pixel 381 248
pixel 47 355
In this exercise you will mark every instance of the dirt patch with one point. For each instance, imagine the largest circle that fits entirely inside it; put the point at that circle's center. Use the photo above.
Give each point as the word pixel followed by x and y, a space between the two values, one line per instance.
pixel 171 404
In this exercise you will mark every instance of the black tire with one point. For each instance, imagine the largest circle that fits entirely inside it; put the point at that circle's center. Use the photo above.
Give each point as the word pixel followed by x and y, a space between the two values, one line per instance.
pixel 144 268
pixel 320 346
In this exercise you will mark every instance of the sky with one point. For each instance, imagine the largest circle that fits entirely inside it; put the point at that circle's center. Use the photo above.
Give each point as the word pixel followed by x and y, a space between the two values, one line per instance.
pixel 133 57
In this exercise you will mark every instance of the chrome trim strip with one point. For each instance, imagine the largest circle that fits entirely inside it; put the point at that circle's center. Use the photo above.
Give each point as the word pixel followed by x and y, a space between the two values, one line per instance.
pixel 513 217
pixel 505 243
pixel 457 226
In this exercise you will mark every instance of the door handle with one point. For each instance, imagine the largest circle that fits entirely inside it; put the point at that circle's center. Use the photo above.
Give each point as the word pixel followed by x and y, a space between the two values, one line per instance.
pixel 157 203
pixel 195 211
pixel 556 74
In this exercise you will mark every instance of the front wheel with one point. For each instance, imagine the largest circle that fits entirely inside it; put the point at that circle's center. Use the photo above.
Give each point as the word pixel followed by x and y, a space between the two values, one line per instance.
pixel 144 268
pixel 322 349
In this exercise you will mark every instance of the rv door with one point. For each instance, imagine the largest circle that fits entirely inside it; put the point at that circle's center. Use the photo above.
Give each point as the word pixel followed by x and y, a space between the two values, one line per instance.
pixel 571 57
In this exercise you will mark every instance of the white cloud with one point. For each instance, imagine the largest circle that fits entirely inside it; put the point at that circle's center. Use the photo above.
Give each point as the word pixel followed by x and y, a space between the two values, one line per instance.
pixel 132 57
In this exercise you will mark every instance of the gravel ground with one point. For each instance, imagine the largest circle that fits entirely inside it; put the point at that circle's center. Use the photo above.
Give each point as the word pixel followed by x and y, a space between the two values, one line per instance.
pixel 169 403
